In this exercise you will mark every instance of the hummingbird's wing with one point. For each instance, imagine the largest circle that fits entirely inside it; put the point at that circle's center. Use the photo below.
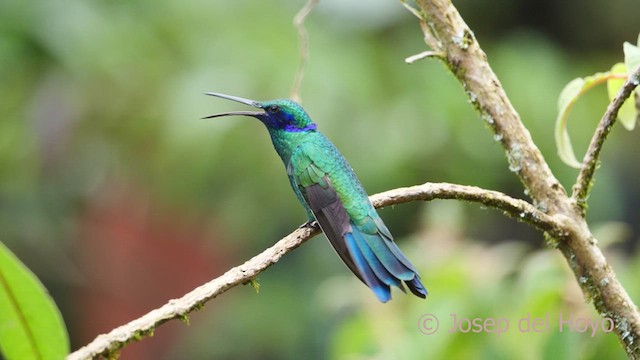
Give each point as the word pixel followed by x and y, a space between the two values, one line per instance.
pixel 361 239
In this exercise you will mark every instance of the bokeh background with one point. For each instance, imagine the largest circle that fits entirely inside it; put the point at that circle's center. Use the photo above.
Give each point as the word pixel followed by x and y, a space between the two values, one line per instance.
pixel 117 195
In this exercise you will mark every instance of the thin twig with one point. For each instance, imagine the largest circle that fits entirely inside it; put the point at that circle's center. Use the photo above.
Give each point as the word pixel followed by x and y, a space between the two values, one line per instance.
pixel 298 22
pixel 106 344
pixel 446 32
pixel 423 55
pixel 591 158
pixel 411 9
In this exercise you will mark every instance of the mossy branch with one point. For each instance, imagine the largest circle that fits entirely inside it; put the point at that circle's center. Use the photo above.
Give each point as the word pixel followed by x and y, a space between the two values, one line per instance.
pixel 591 158
pixel 446 33
pixel 106 344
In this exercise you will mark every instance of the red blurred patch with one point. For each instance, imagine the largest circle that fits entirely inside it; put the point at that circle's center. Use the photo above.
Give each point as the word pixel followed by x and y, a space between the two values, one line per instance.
pixel 135 257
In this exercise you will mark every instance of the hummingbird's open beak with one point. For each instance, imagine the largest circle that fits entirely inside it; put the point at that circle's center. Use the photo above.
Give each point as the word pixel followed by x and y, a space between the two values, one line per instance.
pixel 236 99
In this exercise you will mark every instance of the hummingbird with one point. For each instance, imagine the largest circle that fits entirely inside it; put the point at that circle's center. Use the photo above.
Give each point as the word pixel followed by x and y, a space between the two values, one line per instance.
pixel 332 195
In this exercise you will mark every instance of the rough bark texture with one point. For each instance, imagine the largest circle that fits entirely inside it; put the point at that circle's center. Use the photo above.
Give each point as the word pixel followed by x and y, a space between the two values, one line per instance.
pixel 590 162
pixel 448 35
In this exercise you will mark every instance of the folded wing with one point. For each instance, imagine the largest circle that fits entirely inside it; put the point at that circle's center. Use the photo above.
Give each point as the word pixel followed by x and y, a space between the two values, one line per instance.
pixel 365 244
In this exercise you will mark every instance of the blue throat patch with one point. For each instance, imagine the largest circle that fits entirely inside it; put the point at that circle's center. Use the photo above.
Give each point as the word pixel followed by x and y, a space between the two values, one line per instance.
pixel 291 128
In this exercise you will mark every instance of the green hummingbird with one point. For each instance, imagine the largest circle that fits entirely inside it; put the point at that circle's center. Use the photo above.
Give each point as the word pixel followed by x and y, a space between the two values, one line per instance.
pixel 331 194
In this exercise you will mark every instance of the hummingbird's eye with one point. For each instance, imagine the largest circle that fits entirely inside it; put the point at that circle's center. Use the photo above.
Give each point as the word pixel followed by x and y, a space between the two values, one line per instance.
pixel 273 109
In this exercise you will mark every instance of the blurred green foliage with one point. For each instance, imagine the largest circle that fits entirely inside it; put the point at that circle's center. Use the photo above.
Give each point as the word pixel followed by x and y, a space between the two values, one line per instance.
pixel 102 99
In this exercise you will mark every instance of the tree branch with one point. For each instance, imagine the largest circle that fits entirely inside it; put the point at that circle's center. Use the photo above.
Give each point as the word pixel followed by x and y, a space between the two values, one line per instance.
pixel 445 32
pixel 590 162
pixel 453 42
pixel 513 208
pixel 107 344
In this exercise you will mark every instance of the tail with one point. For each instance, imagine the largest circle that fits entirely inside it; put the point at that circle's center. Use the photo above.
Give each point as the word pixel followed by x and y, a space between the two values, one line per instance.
pixel 367 248
pixel 380 264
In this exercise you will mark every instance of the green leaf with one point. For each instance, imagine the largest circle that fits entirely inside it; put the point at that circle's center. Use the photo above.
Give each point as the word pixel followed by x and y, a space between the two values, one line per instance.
pixel 631 56
pixel 627 113
pixel 568 96
pixel 31 326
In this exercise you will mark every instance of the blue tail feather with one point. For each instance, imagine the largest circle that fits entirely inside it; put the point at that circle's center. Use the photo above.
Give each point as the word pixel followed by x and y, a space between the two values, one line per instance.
pixel 382 229
pixel 377 263
pixel 387 257
pixel 416 287
pixel 382 290
pixel 372 258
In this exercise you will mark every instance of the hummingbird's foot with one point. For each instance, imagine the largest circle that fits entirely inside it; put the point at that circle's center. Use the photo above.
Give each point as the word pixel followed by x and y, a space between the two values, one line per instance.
pixel 308 224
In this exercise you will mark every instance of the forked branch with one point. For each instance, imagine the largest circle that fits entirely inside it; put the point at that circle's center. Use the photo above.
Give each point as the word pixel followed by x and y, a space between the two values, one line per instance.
pixel 446 33
pixel 591 158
